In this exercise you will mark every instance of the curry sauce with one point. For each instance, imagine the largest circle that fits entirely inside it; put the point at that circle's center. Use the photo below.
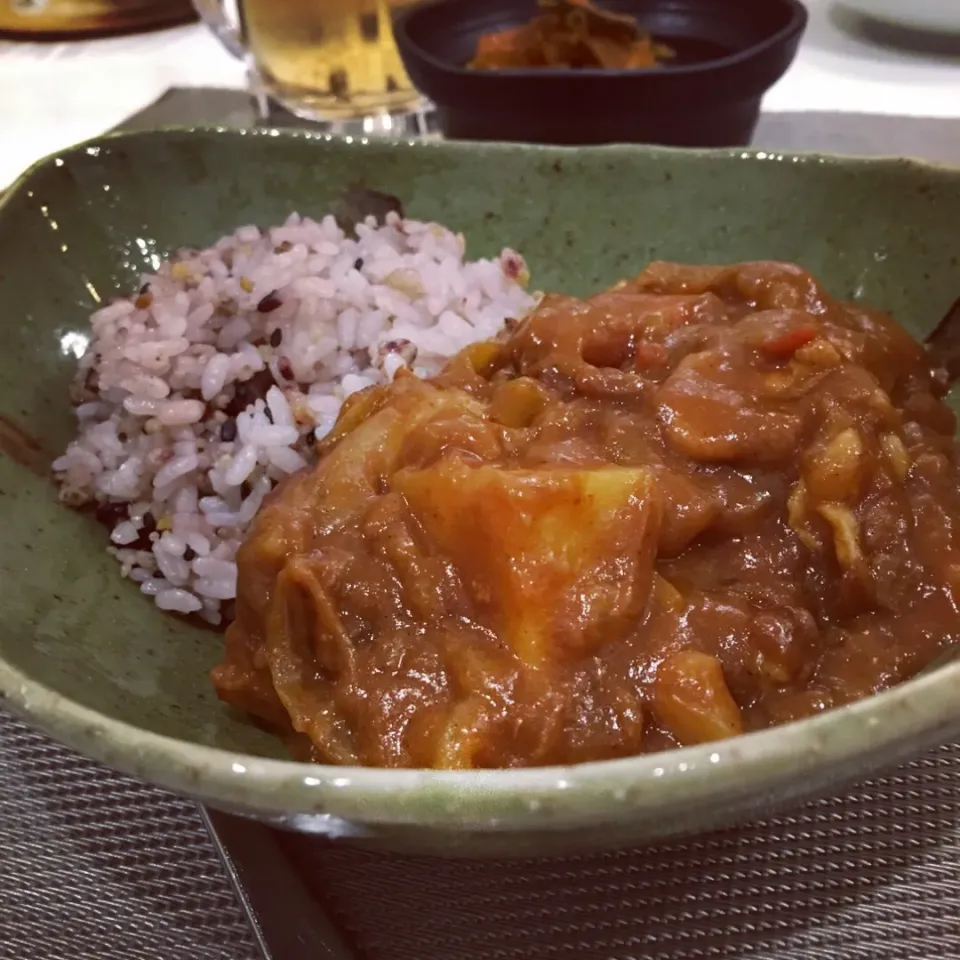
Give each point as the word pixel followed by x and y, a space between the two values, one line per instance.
pixel 706 501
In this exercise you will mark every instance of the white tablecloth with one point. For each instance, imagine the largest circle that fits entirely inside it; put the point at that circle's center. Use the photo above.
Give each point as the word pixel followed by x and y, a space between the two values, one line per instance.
pixel 57 94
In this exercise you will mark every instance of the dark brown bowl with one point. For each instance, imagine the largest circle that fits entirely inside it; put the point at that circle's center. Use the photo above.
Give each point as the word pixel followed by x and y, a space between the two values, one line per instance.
pixel 729 53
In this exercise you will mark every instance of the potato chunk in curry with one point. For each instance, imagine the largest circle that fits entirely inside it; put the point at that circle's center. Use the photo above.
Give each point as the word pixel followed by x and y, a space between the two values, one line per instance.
pixel 706 501
pixel 556 561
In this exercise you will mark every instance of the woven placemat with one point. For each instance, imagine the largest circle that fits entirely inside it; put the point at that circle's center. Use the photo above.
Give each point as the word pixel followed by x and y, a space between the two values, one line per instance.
pixel 95 866
pixel 871 875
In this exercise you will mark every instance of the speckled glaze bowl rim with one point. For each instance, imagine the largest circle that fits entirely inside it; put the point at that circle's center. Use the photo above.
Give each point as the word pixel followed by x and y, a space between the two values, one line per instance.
pixel 925 707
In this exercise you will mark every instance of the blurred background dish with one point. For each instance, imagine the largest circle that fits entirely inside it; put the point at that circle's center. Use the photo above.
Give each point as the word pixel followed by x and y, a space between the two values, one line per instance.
pixel 65 17
pixel 576 34
pixel 726 56
pixel 938 16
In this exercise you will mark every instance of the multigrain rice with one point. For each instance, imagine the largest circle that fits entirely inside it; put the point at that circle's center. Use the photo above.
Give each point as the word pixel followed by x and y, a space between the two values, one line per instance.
pixel 196 395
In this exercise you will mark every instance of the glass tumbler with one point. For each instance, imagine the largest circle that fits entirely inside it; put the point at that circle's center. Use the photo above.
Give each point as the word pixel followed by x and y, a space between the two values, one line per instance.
pixel 331 61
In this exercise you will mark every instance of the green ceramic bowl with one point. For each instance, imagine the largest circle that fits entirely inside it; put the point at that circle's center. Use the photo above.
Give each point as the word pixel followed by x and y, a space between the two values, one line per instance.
pixel 86 658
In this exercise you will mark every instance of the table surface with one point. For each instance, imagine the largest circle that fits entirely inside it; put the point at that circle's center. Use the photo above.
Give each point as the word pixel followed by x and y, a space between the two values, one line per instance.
pixel 873 875
pixel 61 93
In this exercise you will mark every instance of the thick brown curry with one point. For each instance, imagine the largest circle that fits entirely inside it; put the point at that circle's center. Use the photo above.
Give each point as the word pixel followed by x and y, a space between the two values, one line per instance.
pixel 706 501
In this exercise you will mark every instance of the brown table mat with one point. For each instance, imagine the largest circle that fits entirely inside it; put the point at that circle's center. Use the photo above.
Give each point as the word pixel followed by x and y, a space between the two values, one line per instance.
pixel 872 875
pixel 95 866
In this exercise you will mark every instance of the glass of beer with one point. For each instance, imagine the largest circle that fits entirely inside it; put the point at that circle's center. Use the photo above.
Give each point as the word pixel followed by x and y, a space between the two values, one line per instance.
pixel 323 60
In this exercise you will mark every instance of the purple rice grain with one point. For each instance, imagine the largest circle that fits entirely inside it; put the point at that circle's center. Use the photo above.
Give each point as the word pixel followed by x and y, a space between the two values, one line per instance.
pixel 145 535
pixel 110 513
pixel 269 303
pixel 249 391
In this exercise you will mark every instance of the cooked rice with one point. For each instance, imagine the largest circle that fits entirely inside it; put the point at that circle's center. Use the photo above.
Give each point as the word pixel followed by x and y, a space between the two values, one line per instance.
pixel 198 394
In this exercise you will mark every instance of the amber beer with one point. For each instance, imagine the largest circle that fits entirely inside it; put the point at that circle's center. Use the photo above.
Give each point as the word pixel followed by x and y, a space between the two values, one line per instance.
pixel 332 59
